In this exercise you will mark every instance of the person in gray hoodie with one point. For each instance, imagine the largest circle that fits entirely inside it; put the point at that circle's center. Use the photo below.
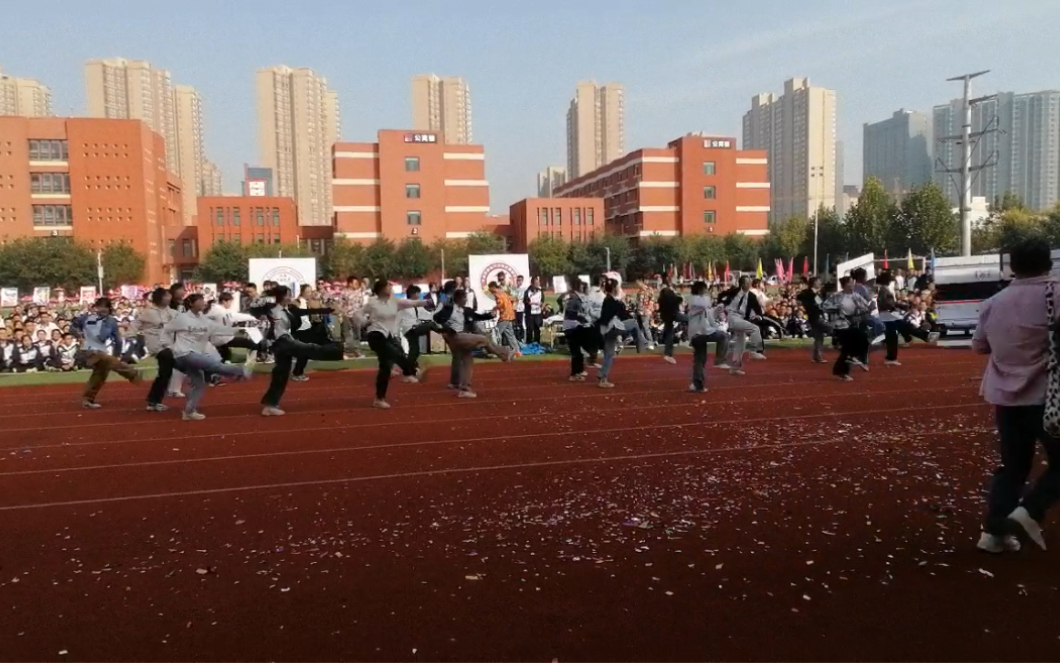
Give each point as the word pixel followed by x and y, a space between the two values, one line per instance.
pixel 150 323
pixel 704 328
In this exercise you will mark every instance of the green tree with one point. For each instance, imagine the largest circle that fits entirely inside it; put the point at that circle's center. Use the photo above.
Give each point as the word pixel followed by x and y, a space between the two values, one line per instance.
pixel 52 261
pixel 925 221
pixel 1016 225
pixel 706 250
pixel 653 255
pixel 548 257
pixel 787 239
pixel 451 256
pixel 122 265
pixel 868 223
pixel 378 260
pixel 1009 200
pixel 345 259
pixel 483 243
pixel 412 260
pixel 619 247
pixel 741 251
pixel 831 237
pixel 225 261
pixel 263 250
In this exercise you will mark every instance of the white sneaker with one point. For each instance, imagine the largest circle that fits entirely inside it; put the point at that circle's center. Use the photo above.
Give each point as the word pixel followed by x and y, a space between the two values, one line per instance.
pixel 998 544
pixel 736 371
pixel 272 412
pixel 669 360
pixel 892 362
pixel 722 367
pixel 157 407
pixel 410 379
pixel 300 378
pixel 879 339
pixel 695 390
pixel 577 378
pixel 845 378
pixel 466 394
pixel 1029 525
pixel 192 416
pixel 90 405
pixel 756 355
pixel 933 338
pixel 604 384
pixel 382 405
pixel 248 372
pixel 857 362
pixel 176 394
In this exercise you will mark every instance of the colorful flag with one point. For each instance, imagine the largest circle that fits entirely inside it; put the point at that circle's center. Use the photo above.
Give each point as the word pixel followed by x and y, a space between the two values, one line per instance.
pixel 780 269
pixel 791 269
pixel 728 272
pixel 886 265
pixel 909 260
pixel 805 265
pixel 758 270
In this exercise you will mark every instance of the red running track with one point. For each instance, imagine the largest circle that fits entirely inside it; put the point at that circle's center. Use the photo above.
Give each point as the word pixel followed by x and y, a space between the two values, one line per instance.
pixel 782 516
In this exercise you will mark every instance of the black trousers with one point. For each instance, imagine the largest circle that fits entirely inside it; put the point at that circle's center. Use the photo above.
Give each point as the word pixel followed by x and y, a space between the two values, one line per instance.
pixel 576 341
pixel 388 350
pixel 893 329
pixel 520 326
pixel 317 334
pixel 533 327
pixel 157 393
pixel 1020 430
pixel 413 336
pixel 287 350
pixel 852 344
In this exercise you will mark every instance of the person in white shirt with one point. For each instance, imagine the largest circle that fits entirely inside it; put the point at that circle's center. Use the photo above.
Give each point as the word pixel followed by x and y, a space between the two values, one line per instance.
pixel 740 311
pixel 704 328
pixel 223 312
pixel 150 324
pixel 381 315
pixel 414 323
pixel 520 308
pixel 191 336
pixel 533 303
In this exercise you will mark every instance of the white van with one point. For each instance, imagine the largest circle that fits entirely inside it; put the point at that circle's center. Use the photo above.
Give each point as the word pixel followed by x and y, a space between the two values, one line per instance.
pixel 962 283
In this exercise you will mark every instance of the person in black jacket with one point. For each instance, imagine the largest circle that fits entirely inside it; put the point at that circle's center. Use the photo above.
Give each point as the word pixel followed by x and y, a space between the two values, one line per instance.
pixel 613 326
pixel 670 313
pixel 457 322
pixel 811 300
pixel 894 322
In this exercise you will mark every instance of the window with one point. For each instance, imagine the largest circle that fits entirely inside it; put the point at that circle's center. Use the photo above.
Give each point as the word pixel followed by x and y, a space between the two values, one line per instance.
pixel 49 182
pixel 589 217
pixel 259 216
pixel 275 217
pixel 52 215
pixel 577 216
pixel 185 248
pixel 543 217
pixel 708 167
pixel 237 238
pixel 47 150
pixel 172 248
pixel 412 218
pixel 275 240
pixel 412 190
pixel 557 216
pixel 260 239
pixel 709 216
pixel 236 214
pixel 220 212
pixel 412 164
pixel 708 192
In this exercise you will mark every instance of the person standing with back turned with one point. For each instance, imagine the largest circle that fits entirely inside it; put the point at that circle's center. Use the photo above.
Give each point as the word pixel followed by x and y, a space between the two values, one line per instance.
pixel 1014 330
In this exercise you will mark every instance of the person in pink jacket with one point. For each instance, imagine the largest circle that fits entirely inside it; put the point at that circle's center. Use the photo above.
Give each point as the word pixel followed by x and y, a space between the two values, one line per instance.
pixel 1014 331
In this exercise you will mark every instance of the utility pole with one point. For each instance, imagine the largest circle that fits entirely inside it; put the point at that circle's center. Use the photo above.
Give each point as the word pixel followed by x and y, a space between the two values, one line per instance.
pixel 966 172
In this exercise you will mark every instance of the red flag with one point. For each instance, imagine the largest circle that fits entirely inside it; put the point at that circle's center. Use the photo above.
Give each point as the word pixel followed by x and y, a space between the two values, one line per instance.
pixel 805 265
pixel 885 259
pixel 728 273
pixel 791 269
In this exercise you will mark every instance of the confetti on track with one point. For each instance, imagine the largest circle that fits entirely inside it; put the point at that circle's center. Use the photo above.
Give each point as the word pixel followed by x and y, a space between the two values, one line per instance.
pixel 782 515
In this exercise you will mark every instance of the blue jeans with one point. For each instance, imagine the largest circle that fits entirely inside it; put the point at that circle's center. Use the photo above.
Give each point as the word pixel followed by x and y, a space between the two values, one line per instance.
pixel 195 365
pixel 611 340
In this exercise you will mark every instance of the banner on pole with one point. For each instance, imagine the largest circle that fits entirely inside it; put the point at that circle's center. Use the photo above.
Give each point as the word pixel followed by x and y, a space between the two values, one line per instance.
pixel 88 294
pixel 291 272
pixel 42 294
pixel 8 297
pixel 867 262
pixel 484 268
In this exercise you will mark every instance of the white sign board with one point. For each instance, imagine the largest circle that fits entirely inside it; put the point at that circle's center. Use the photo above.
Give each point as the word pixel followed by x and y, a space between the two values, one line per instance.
pixel 866 262
pixel 8 297
pixel 291 272
pixel 484 268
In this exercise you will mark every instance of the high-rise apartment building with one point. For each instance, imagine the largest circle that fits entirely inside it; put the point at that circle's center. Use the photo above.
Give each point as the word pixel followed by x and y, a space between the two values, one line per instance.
pixel 1019 145
pixel 191 158
pixel 798 130
pixel 550 179
pixel 24 97
pixel 897 151
pixel 132 89
pixel 596 126
pixel 298 123
pixel 211 179
pixel 442 105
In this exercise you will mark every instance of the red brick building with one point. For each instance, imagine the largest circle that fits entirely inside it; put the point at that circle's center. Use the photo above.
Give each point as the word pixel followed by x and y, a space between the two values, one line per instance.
pixel 246 220
pixel 409 184
pixel 570 219
pixel 98 181
pixel 697 184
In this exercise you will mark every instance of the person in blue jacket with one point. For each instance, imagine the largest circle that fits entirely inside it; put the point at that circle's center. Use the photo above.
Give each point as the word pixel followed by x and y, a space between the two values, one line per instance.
pixel 101 343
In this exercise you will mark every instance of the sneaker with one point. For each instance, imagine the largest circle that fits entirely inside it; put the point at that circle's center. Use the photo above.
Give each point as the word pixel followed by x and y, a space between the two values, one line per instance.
pixel 669 360
pixel 933 338
pixel 466 393
pixel 845 378
pixel 248 372
pixel 90 405
pixel 1028 525
pixel 857 362
pixel 176 394
pixel 892 362
pixel 577 378
pixel 272 412
pixel 410 379
pixel 998 544
pixel 756 355
pixel 192 416
pixel 300 378
pixel 821 361
pixel 451 386
pixel 736 371
pixel 157 407
pixel 879 339
pixel 604 384
pixel 697 390
pixel 723 367
pixel 382 405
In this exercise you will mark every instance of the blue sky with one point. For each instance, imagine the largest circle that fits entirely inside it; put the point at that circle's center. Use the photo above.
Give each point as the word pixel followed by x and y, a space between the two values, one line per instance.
pixel 688 65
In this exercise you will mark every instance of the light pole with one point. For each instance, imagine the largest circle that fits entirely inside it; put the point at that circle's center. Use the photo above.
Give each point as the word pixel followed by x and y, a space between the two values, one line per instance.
pixel 608 250
pixel 815 218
